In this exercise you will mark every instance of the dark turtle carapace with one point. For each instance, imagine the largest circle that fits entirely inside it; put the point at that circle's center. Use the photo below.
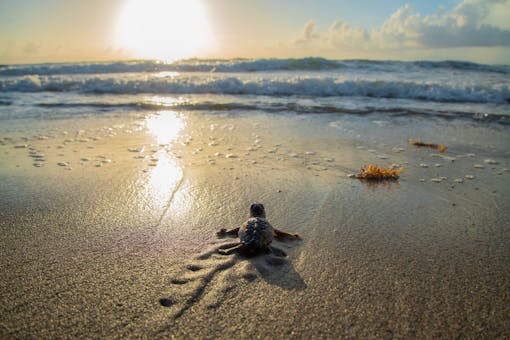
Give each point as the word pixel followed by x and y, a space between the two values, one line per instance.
pixel 256 234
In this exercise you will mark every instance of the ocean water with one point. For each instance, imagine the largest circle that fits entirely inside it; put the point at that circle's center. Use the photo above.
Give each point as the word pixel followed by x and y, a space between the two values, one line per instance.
pixel 432 90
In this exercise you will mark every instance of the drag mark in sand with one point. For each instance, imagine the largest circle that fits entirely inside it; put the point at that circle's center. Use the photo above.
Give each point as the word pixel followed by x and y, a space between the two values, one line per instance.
pixel 194 283
pixel 170 200
pixel 209 278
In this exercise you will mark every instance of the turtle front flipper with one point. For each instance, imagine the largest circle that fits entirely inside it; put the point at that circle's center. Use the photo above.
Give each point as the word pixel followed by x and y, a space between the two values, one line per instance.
pixel 225 232
pixel 228 251
pixel 278 234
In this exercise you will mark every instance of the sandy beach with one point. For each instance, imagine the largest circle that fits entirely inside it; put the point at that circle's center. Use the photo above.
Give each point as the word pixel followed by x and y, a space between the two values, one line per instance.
pixel 113 235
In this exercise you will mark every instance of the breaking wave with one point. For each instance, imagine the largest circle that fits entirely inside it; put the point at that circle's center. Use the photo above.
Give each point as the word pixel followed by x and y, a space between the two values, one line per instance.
pixel 294 86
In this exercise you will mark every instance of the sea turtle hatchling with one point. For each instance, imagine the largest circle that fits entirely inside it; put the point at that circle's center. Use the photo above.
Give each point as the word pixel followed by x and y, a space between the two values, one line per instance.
pixel 256 234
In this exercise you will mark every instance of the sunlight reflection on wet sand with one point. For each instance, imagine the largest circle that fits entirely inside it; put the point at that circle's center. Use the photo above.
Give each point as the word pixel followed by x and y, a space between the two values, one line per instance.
pixel 165 174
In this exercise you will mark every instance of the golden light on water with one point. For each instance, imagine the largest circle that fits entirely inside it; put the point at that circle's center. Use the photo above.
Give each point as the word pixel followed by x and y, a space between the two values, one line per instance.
pixel 164 179
pixel 164 101
pixel 163 29
pixel 165 126
pixel 165 174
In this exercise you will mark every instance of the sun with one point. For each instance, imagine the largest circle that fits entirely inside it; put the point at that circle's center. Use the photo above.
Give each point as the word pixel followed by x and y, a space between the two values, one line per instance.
pixel 163 29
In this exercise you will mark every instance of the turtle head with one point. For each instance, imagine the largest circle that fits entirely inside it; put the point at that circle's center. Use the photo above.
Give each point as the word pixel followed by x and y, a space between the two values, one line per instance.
pixel 257 210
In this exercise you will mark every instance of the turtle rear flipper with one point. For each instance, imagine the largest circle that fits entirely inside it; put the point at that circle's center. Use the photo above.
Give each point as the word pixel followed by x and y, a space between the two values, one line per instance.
pixel 228 251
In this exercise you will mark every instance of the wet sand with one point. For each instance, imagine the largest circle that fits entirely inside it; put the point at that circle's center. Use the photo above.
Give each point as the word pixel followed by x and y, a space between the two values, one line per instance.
pixel 114 234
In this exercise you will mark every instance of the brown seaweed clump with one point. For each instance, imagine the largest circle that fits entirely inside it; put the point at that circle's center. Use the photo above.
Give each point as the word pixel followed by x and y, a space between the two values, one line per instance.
pixel 439 147
pixel 375 173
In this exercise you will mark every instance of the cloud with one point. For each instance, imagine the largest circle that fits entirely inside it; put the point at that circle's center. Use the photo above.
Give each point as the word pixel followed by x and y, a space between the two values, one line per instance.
pixel 308 35
pixel 466 25
pixel 30 48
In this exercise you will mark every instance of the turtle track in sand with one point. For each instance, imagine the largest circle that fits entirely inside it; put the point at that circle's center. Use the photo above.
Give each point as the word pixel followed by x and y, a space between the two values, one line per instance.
pixel 206 280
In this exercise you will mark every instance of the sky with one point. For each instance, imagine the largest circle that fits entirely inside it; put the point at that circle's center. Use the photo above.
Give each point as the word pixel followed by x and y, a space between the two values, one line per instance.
pixel 37 31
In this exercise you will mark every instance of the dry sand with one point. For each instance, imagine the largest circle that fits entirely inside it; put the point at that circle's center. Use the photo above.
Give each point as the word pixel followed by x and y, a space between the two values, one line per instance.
pixel 114 235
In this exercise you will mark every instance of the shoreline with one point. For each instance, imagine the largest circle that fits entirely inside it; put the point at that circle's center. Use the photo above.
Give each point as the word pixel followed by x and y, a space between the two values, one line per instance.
pixel 92 251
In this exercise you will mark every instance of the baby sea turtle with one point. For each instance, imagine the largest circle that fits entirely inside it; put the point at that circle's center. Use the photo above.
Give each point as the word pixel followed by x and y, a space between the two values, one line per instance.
pixel 256 234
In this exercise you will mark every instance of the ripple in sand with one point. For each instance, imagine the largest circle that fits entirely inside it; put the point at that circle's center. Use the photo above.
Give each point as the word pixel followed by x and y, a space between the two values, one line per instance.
pixel 436 180
pixel 424 165
pixel 491 161
pixel 329 160
pixel 310 153
pixel 63 164
pixel 458 180
pixel 21 146
pixel 231 155
pixel 38 165
pixel 135 149
pixel 85 159
pixel 469 177
pixel 479 166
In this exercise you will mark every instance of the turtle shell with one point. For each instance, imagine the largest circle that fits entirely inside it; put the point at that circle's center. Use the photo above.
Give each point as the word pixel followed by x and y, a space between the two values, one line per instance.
pixel 256 234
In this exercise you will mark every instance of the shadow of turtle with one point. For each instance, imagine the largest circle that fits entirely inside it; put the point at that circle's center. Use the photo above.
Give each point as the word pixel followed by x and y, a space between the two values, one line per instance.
pixel 277 270
pixel 273 265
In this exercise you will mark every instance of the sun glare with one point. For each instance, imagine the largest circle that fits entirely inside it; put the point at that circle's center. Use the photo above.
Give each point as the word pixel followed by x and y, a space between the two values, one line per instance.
pixel 165 126
pixel 163 29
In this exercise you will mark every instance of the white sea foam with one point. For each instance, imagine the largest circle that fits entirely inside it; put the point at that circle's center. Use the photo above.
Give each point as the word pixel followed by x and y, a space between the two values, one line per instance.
pixel 268 86
pixel 311 85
